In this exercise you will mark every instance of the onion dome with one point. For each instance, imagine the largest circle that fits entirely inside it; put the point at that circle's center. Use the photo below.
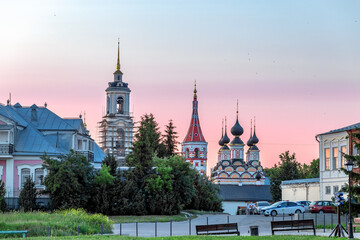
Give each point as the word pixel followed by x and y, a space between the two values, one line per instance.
pixel 225 139
pixel 254 138
pixel 258 176
pixel 237 141
pixel 254 148
pixel 237 130
pixel 225 147
pixel 249 142
pixel 221 143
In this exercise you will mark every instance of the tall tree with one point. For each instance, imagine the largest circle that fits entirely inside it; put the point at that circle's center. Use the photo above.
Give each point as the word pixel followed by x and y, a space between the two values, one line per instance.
pixel 27 197
pixel 69 181
pixel 2 196
pixel 310 171
pixel 169 139
pixel 286 169
pixel 111 162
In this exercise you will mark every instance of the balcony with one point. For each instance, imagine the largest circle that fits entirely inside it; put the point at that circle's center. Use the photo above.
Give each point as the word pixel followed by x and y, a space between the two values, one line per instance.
pixel 89 155
pixel 6 149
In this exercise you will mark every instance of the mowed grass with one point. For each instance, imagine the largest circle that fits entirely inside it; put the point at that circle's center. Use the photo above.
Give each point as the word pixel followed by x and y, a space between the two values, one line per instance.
pixel 61 223
pixel 288 237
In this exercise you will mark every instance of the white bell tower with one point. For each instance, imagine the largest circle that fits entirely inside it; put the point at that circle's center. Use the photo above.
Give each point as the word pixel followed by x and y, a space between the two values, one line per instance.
pixel 116 128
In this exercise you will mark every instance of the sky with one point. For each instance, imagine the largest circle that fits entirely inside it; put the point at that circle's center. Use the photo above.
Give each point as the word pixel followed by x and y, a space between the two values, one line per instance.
pixel 294 65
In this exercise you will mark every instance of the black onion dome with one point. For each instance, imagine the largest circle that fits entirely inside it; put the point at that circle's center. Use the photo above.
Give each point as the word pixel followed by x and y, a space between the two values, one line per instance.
pixel 225 147
pixel 249 142
pixel 221 143
pixel 237 130
pixel 254 148
pixel 225 139
pixel 258 176
pixel 254 138
pixel 236 141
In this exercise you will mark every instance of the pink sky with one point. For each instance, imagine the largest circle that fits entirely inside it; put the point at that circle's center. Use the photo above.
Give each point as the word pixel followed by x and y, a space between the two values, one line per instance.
pixel 295 66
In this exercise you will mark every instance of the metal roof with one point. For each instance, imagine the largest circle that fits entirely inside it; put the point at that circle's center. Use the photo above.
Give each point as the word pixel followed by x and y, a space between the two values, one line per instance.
pixel 298 181
pixel 253 193
pixel 353 126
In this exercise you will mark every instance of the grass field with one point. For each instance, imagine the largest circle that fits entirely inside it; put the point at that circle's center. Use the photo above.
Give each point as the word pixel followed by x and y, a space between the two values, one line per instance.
pixel 61 223
pixel 291 237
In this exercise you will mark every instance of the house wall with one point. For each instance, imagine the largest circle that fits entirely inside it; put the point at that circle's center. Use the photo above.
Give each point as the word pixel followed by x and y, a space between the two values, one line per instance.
pixel 301 192
pixel 230 207
pixel 333 178
pixel 3 170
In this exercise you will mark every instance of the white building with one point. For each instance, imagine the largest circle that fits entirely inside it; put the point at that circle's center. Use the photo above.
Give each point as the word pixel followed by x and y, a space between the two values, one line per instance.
pixel 332 146
pixel 116 128
pixel 300 190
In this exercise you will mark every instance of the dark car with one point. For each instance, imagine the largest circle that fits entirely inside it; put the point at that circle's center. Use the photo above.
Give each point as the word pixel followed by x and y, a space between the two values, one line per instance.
pixel 322 207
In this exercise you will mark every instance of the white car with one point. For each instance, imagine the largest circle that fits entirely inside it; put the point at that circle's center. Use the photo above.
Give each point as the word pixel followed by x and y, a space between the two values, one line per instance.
pixel 283 207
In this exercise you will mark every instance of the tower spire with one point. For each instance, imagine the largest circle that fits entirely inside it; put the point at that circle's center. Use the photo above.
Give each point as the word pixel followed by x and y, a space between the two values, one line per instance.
pixel 195 91
pixel 118 56
pixel 237 108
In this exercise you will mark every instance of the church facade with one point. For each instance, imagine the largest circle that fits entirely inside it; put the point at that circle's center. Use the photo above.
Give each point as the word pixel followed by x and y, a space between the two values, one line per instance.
pixel 116 127
pixel 194 146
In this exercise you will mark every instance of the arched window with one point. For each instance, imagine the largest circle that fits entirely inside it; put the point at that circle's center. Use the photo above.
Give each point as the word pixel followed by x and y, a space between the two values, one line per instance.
pixel 25 174
pixel 196 153
pixel 120 102
pixel 39 176
pixel 187 153
pixel 107 104
pixel 120 141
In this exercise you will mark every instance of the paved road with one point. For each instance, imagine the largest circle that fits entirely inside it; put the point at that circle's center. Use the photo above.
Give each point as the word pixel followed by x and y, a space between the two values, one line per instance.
pixel 244 223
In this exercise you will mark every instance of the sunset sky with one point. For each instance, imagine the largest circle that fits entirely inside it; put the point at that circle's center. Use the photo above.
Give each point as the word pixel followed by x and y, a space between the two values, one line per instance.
pixel 295 65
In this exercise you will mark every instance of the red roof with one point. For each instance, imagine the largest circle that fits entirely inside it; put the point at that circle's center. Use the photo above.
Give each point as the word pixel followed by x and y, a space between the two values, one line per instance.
pixel 194 134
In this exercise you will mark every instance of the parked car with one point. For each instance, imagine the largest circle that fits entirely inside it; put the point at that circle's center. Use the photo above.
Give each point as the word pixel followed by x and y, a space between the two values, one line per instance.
pixel 322 207
pixel 305 204
pixel 283 207
pixel 259 207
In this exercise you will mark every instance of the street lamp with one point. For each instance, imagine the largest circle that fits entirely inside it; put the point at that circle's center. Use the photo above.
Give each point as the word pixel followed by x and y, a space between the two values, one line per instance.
pixel 349 167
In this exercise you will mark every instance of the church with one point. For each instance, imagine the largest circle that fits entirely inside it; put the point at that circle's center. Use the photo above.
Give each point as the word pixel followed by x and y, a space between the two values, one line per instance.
pixel 116 127
pixel 239 174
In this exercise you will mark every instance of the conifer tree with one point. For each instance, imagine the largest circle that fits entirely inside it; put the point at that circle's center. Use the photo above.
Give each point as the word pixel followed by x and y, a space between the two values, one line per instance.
pixel 2 196
pixel 69 181
pixel 111 162
pixel 27 197
pixel 169 139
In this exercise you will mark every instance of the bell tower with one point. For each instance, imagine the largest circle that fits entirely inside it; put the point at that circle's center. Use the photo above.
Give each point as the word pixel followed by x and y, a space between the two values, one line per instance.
pixel 116 128
pixel 194 146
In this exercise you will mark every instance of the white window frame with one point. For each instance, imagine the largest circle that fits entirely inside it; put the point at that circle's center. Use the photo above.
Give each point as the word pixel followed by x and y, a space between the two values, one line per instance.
pixel 32 173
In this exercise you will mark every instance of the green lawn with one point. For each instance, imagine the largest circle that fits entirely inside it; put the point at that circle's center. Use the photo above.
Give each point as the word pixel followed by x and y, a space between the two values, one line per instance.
pixel 291 237
pixel 61 223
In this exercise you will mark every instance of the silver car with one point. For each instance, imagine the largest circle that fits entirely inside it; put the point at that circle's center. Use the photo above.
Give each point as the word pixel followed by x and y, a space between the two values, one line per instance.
pixel 259 207
pixel 305 204
pixel 283 207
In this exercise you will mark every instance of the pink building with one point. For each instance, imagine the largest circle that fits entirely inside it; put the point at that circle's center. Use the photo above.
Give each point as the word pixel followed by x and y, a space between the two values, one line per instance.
pixel 27 133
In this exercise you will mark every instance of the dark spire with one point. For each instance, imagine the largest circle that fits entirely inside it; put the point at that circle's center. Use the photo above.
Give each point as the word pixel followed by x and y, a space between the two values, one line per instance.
pixel 221 143
pixel 237 130
pixel 254 139
pixel 225 139
pixel 249 142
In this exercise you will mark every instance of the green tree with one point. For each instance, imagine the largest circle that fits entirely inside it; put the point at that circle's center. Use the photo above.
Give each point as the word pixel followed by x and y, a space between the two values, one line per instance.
pixel 286 169
pixel 111 162
pixel 355 177
pixel 169 139
pixel 27 197
pixel 69 181
pixel 2 196
pixel 310 171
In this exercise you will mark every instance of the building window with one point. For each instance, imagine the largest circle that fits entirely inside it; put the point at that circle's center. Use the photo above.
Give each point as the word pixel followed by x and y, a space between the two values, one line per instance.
pixel 196 164
pixel 120 102
pixel 327 158
pixel 25 174
pixel 343 159
pixel 39 176
pixel 4 137
pixel 335 162
pixel 336 189
pixel 327 190
pixel 196 153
